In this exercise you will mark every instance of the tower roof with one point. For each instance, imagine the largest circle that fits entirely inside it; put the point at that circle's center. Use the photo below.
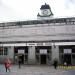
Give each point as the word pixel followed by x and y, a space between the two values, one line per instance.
pixel 46 6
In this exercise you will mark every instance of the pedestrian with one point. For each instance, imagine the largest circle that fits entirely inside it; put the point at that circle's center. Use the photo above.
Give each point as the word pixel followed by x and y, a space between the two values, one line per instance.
pixel 7 64
pixel 55 63
pixel 19 62
pixel 65 63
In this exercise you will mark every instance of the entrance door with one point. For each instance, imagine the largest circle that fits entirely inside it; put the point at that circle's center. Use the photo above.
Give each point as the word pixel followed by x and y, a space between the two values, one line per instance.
pixel 43 59
pixel 21 57
pixel 67 58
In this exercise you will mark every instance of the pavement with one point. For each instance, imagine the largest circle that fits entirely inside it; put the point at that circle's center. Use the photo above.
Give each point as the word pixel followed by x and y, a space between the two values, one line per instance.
pixel 36 70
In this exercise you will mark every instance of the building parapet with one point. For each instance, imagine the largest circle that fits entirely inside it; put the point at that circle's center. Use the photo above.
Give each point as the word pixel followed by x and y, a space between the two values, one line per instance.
pixel 35 22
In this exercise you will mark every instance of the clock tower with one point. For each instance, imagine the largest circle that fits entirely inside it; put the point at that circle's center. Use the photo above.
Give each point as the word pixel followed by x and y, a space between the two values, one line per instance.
pixel 46 12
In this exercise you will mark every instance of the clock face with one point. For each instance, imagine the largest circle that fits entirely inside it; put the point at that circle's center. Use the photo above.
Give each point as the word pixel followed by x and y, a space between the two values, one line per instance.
pixel 45 12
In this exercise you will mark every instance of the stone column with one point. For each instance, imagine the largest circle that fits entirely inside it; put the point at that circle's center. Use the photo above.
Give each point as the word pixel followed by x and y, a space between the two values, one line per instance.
pixel 55 52
pixel 11 52
pixel 31 55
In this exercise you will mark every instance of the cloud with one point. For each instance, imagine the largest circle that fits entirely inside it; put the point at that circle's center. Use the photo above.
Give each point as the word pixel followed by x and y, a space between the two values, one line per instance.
pixel 7 13
pixel 69 3
pixel 28 9
pixel 69 7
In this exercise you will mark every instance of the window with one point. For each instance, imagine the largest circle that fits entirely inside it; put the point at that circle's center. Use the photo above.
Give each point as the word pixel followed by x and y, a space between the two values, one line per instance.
pixel 73 50
pixel 37 51
pixel 26 51
pixel 48 51
pixel 3 51
pixel 26 57
pixel 61 51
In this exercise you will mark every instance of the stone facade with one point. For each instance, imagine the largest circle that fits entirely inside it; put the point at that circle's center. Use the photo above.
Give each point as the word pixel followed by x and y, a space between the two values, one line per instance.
pixel 46 34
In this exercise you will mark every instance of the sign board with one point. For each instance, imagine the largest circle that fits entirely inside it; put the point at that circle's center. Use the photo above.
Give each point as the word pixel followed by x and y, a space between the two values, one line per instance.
pixel 21 51
pixel 31 44
pixel 14 44
pixel 67 51
pixel 43 51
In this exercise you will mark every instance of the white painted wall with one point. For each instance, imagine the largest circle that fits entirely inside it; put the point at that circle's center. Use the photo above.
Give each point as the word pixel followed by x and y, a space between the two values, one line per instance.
pixel 38 32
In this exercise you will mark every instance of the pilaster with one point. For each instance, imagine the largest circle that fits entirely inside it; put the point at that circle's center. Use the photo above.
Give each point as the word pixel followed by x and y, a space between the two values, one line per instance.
pixel 31 55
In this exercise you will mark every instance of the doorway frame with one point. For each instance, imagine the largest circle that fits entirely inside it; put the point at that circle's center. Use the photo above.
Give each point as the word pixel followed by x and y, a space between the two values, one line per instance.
pixel 40 59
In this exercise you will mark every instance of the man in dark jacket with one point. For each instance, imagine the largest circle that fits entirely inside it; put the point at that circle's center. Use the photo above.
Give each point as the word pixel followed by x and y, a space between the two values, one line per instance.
pixel 19 62
pixel 55 63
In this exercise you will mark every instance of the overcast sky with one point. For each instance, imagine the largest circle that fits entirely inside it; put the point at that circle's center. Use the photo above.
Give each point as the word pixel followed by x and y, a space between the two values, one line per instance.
pixel 15 10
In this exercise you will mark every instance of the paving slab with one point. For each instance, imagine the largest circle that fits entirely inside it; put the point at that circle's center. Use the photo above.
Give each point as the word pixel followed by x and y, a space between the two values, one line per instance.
pixel 34 70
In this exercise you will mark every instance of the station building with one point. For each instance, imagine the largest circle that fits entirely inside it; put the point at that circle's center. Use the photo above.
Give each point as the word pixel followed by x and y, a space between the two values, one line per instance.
pixel 39 41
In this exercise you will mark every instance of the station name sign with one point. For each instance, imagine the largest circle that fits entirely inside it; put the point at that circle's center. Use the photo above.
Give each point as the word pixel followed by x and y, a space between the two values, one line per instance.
pixel 21 51
pixel 31 44
pixel 43 51
pixel 67 51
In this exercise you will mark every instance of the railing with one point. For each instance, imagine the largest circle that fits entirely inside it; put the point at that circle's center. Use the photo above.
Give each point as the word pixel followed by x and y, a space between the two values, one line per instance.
pixel 35 22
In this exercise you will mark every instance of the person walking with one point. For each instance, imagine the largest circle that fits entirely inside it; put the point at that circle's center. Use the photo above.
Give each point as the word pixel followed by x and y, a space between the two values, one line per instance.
pixel 55 63
pixel 7 64
pixel 19 62
pixel 65 63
